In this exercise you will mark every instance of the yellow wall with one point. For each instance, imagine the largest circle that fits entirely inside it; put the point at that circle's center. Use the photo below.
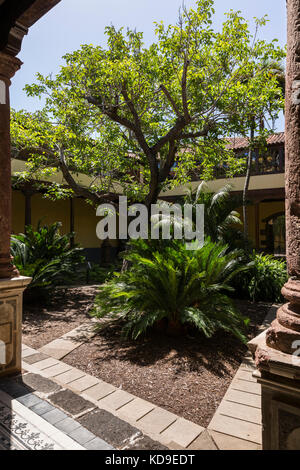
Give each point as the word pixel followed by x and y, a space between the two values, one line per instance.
pixel 18 212
pixel 269 208
pixel 265 210
pixel 237 184
pixel 48 212
pixel 85 220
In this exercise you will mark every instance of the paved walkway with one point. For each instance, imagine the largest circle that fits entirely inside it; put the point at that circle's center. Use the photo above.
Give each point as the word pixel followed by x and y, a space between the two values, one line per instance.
pixel 55 406
pixel 150 425
pixel 61 347
pixel 237 422
pixel 29 422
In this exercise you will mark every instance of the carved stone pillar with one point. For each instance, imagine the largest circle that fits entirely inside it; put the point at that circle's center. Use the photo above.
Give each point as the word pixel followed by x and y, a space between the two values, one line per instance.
pixel 11 288
pixel 277 351
pixel 11 298
pixel 286 327
pixel 8 67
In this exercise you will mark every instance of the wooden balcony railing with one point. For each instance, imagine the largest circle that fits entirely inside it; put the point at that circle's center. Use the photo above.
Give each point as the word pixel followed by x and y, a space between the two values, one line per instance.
pixel 264 163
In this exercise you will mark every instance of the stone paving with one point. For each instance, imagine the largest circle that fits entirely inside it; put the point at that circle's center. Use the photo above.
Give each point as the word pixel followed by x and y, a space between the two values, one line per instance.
pixel 36 413
pixel 61 347
pixel 68 409
pixel 29 422
pixel 235 425
pixel 132 419
pixel 237 422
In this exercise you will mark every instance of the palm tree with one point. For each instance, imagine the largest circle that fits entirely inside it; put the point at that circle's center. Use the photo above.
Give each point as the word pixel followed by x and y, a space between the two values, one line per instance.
pixel 222 222
pixel 220 215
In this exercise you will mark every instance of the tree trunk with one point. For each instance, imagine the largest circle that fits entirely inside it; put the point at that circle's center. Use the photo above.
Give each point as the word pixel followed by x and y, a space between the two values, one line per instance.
pixel 175 328
pixel 247 183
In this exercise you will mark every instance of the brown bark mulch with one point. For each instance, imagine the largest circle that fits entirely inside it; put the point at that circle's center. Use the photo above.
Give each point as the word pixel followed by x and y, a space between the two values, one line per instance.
pixel 63 310
pixel 188 375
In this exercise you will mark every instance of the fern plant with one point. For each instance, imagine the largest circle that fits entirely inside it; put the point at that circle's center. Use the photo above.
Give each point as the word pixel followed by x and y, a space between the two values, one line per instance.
pixel 264 280
pixel 45 255
pixel 182 286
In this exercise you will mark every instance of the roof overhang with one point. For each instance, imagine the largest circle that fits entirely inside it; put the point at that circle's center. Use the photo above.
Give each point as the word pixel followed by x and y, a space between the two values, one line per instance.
pixel 16 17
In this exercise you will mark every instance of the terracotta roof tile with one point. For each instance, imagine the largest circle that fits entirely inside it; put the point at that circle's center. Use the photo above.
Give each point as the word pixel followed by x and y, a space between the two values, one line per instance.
pixel 236 143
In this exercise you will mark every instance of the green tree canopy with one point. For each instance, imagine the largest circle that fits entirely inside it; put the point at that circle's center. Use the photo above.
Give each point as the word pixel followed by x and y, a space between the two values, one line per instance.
pixel 127 114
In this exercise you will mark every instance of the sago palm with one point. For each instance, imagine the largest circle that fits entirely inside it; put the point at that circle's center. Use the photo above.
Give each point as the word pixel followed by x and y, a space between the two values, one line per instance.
pixel 46 256
pixel 185 287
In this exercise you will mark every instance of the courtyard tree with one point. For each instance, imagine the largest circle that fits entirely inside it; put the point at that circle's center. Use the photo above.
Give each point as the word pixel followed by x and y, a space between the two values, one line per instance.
pixel 138 119
pixel 259 118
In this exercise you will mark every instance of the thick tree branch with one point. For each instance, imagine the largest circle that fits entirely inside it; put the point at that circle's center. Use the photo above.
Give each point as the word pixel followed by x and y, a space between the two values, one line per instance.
pixel 96 198
pixel 112 113
pixel 171 135
pixel 165 169
pixel 184 90
pixel 194 135
pixel 137 126
pixel 170 99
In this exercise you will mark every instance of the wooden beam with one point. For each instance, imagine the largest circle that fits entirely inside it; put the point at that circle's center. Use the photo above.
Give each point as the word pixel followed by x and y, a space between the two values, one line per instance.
pixel 16 17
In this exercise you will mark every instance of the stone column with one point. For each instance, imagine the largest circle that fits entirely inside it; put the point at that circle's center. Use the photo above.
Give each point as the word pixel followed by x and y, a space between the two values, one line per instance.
pixel 286 328
pixel 11 299
pixel 8 67
pixel 277 351
pixel 11 288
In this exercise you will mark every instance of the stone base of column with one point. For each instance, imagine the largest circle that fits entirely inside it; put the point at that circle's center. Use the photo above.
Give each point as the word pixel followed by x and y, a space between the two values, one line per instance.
pixel 285 330
pixel 11 306
pixel 7 269
pixel 279 375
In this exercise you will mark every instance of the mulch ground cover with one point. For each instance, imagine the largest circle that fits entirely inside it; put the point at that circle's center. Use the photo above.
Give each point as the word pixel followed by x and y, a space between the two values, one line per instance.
pixel 187 375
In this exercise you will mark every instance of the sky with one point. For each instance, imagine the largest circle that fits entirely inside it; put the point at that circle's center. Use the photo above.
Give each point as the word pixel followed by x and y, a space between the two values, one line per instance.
pixel 75 22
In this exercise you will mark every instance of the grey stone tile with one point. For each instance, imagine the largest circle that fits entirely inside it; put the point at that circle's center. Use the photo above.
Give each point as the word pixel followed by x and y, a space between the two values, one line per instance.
pixel 42 408
pixel 71 402
pixel 108 427
pixel 30 400
pixel 54 416
pixel 82 435
pixel 40 384
pixel 37 357
pixel 98 444
pixel 68 425
pixel 13 388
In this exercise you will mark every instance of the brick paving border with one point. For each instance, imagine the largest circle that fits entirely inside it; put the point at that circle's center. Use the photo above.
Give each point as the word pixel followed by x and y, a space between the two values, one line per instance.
pixel 158 424
pixel 48 419
pixel 235 425
pixel 237 421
